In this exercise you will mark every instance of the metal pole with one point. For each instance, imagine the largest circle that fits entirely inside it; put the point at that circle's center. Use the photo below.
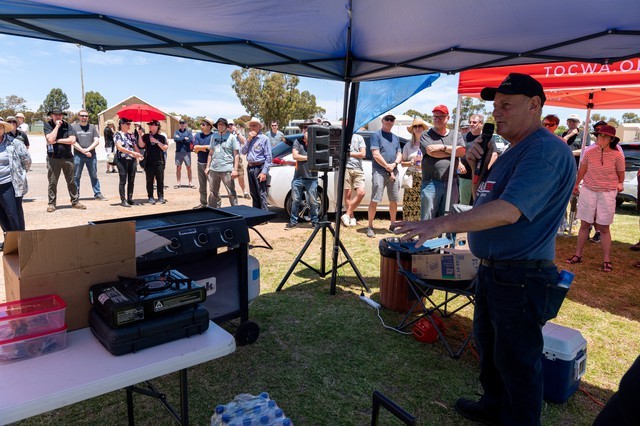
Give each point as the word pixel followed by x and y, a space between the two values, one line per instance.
pixel 81 74
pixel 454 145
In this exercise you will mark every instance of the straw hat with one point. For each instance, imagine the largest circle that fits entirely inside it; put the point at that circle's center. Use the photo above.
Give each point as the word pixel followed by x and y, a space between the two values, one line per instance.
pixel 207 120
pixel 255 121
pixel 417 122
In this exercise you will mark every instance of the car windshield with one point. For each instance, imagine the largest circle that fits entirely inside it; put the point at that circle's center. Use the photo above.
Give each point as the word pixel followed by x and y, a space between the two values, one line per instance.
pixel 631 156
pixel 284 148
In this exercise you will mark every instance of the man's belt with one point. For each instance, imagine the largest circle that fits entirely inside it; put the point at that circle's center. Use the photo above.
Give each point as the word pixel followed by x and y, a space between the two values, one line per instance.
pixel 255 164
pixel 517 264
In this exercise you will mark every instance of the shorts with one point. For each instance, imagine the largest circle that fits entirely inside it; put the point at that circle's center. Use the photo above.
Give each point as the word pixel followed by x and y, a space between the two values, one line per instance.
pixel 183 157
pixel 598 207
pixel 380 180
pixel 353 178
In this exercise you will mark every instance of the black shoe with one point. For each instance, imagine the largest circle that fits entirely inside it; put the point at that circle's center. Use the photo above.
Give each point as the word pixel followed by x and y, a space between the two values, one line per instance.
pixel 595 238
pixel 131 202
pixel 289 226
pixel 477 411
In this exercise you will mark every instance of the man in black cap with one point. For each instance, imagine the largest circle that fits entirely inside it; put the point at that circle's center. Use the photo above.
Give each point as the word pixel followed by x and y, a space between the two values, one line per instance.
pixel 60 138
pixel 183 137
pixel 512 227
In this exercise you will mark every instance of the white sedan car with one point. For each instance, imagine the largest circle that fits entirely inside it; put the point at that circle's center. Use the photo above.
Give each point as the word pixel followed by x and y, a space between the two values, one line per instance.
pixel 282 174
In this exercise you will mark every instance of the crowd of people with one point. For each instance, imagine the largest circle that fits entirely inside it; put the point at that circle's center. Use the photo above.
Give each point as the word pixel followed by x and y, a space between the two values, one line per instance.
pixel 514 204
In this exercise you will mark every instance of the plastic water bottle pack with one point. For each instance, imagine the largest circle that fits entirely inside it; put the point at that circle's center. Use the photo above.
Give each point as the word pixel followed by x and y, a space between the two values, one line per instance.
pixel 250 410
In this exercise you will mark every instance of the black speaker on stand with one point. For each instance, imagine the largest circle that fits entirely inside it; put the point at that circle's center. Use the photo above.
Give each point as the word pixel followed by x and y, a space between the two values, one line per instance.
pixel 323 155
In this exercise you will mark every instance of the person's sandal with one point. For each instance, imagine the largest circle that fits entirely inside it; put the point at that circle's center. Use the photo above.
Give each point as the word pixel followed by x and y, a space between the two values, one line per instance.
pixel 606 267
pixel 574 259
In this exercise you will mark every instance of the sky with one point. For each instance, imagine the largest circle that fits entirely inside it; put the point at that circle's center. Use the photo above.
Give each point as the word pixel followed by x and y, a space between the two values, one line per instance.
pixel 30 68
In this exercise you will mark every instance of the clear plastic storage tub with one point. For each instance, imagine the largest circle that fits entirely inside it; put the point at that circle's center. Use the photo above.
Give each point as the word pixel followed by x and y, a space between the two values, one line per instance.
pixel 26 347
pixel 28 317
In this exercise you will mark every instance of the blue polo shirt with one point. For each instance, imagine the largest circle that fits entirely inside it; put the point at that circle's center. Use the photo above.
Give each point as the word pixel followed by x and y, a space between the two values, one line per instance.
pixel 389 146
pixel 537 176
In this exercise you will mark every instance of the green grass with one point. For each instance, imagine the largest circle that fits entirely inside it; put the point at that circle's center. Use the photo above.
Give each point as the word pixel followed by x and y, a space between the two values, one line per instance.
pixel 322 356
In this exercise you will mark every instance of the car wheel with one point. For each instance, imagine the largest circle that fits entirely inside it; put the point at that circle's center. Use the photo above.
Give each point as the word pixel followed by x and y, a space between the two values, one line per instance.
pixel 304 215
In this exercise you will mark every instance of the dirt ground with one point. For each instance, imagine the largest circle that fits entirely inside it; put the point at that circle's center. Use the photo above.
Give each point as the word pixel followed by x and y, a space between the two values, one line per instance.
pixel 35 202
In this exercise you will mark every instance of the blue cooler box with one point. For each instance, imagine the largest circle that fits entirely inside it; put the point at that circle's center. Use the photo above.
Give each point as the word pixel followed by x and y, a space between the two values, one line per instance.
pixel 564 361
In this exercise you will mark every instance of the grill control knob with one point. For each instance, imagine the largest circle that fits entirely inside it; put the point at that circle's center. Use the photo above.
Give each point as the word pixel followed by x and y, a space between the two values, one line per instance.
pixel 175 243
pixel 228 235
pixel 202 238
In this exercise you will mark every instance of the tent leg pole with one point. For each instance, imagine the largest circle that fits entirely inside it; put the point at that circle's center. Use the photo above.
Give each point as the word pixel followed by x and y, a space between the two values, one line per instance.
pixel 349 115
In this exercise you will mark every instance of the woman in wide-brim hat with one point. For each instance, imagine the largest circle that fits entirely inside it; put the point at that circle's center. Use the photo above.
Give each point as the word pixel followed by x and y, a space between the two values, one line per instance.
pixel 14 186
pixel 602 175
pixel 411 158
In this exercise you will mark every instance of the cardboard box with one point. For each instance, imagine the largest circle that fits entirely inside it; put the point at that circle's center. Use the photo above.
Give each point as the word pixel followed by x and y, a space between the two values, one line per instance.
pixel 453 265
pixel 67 262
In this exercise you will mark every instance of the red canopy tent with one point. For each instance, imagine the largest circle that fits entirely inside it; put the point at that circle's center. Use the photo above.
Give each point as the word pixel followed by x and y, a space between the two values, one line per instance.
pixel 569 84
pixel 613 85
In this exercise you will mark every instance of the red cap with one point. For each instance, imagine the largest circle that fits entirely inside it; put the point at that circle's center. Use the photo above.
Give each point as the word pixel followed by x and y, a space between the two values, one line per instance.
pixel 441 108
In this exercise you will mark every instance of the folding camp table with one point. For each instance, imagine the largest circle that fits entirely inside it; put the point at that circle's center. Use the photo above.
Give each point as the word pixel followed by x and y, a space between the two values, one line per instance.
pixel 462 292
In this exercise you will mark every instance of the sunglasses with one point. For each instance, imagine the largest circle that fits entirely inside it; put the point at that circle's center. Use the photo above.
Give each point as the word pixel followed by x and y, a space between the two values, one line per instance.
pixel 83 116
pixel 389 119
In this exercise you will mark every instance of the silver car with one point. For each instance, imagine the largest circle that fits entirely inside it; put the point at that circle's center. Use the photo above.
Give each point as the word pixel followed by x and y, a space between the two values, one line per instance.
pixel 281 175
pixel 632 164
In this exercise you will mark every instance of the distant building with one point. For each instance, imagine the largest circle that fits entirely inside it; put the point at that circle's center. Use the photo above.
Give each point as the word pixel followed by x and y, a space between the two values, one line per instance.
pixel 628 132
pixel 168 125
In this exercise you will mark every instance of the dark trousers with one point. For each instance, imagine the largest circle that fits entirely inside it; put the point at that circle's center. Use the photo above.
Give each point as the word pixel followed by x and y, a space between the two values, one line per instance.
pixel 11 214
pixel 66 166
pixel 258 189
pixel 155 171
pixel 127 172
pixel 510 309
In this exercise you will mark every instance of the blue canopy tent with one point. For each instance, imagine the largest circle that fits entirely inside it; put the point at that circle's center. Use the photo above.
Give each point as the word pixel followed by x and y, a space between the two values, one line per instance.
pixel 346 40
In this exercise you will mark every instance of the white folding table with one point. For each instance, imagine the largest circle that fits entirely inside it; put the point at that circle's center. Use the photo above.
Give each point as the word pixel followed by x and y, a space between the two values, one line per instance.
pixel 85 369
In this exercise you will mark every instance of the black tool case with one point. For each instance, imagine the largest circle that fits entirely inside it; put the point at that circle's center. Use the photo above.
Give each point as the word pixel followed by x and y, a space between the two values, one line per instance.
pixel 152 332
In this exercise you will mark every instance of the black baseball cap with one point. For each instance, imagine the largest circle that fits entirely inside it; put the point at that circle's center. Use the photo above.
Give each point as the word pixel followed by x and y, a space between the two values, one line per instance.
pixel 515 84
pixel 56 111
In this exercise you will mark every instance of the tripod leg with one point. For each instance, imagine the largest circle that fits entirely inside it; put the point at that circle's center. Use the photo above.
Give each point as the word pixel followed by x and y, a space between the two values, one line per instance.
pixel 298 258
pixel 351 262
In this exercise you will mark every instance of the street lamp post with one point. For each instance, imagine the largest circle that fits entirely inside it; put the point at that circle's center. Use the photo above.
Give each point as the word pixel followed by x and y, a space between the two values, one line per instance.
pixel 81 74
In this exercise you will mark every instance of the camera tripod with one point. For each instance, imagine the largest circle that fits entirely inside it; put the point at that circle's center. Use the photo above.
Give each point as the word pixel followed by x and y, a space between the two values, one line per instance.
pixel 323 226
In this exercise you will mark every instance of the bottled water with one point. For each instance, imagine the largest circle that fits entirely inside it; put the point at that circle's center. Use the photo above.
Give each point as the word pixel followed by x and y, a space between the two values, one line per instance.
pixel 250 410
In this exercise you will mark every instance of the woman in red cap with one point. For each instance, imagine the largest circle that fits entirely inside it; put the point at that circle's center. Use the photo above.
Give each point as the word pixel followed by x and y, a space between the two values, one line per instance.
pixel 602 174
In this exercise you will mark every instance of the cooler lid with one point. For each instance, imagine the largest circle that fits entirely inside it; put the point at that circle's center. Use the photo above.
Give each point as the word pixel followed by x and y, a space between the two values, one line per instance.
pixel 562 342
